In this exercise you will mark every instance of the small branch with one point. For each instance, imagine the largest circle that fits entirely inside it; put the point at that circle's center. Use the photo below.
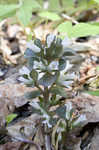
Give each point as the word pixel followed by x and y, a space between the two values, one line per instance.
pixel 46 94
pixel 69 18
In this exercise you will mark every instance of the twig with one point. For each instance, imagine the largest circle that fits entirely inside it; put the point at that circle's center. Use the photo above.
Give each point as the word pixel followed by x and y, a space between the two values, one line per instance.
pixel 69 18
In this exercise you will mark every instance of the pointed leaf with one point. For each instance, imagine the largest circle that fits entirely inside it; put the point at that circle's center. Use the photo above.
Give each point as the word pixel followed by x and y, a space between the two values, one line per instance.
pixel 54 51
pixel 32 94
pixel 58 42
pixel 53 65
pixel 65 27
pixel 39 65
pixel 58 91
pixel 61 112
pixel 30 63
pixel 34 75
pixel 38 43
pixel 25 76
pixel 29 53
pixel 62 64
pixel 64 83
pixel 78 30
pixel 29 83
pixel 47 80
pixel 84 29
pixel 25 12
pixel 49 39
pixel 54 47
pixel 50 15
pixel 10 117
pixel 24 70
pixel 6 10
pixel 69 52
pixel 54 5
pixel 31 45
pixel 53 121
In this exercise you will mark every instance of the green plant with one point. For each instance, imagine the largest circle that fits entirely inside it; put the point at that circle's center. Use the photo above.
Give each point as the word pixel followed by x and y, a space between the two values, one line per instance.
pixel 47 71
pixel 18 9
pixel 59 12
pixel 10 117
pixel 78 30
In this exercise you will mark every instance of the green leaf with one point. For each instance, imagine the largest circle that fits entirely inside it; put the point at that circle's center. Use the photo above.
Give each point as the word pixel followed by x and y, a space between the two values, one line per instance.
pixel 49 15
pixel 10 117
pixel 38 43
pixel 84 29
pixel 8 10
pixel 65 27
pixel 9 1
pixel 29 53
pixel 94 93
pixel 69 52
pixel 29 83
pixel 61 112
pixel 53 121
pixel 53 66
pixel 62 64
pixel 30 63
pixel 31 56
pixel 25 12
pixel 54 49
pixel 97 1
pixel 47 80
pixel 54 5
pixel 34 75
pixel 68 3
pixel 50 38
pixel 32 94
pixel 78 30
pixel 59 91
pixel 25 76
pixel 40 2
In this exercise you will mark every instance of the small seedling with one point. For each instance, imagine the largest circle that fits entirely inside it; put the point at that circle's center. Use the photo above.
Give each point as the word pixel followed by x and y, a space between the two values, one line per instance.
pixel 47 71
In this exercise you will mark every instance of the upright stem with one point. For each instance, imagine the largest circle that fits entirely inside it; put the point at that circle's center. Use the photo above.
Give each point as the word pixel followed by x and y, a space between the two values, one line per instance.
pixel 39 88
pixel 46 95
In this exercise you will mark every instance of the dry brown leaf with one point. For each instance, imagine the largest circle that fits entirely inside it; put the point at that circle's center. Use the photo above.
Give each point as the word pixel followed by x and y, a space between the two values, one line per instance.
pixel 13 30
pixel 11 146
pixel 6 52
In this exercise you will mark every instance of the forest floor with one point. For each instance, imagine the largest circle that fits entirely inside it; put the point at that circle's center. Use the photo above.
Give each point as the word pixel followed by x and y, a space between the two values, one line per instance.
pixel 12 100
